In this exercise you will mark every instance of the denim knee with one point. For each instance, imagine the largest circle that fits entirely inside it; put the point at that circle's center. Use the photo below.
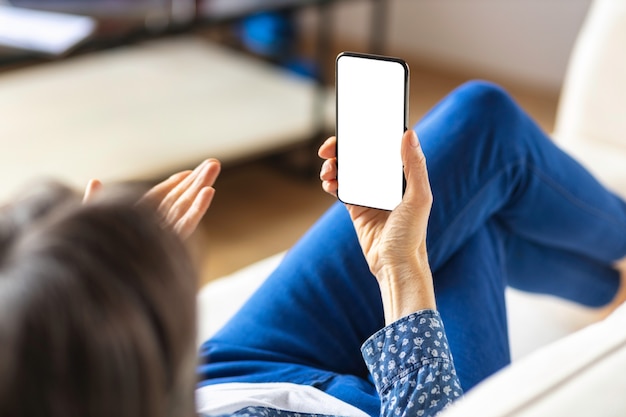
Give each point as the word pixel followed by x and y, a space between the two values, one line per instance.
pixel 488 117
pixel 479 95
pixel 477 113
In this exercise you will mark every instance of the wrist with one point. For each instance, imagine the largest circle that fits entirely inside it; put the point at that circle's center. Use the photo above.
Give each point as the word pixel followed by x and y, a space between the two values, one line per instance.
pixel 406 288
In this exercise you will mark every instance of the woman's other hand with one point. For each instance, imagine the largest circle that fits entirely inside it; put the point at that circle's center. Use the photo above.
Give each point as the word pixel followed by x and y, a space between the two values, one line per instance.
pixel 181 200
pixel 394 243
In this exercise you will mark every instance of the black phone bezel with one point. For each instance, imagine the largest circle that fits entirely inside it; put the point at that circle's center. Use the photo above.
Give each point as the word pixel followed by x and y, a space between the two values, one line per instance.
pixel 405 66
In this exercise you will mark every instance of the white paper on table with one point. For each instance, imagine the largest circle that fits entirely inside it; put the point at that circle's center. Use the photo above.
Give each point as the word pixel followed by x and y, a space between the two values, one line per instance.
pixel 47 32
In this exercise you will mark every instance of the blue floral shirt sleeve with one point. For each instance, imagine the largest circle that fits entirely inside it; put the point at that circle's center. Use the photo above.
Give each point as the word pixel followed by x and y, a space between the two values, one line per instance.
pixel 412 367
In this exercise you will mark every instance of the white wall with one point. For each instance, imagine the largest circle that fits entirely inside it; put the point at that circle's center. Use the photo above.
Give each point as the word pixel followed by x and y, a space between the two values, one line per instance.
pixel 523 41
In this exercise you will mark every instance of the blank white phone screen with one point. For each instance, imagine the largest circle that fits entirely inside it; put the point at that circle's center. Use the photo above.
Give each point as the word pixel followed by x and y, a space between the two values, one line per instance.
pixel 371 117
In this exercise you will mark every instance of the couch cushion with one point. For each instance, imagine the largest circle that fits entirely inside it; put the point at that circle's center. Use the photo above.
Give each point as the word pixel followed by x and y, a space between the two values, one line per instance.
pixel 580 375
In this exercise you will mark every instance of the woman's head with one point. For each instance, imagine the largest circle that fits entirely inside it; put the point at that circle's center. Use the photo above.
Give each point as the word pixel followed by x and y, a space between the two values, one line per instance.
pixel 97 309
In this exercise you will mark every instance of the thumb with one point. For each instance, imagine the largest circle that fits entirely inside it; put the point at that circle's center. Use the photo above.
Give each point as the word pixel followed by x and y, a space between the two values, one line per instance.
pixel 418 192
pixel 93 187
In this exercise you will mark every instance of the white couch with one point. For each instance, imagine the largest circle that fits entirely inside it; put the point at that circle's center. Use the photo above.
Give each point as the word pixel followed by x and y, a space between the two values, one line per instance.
pixel 558 369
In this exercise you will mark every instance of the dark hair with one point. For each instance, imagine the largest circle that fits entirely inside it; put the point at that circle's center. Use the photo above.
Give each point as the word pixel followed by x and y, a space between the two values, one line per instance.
pixel 97 310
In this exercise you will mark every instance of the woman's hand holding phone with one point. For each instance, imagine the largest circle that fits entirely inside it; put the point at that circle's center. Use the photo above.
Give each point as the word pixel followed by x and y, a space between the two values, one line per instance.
pixel 394 242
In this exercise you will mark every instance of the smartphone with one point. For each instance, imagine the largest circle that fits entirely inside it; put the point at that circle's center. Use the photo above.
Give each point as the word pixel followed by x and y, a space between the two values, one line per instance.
pixel 372 111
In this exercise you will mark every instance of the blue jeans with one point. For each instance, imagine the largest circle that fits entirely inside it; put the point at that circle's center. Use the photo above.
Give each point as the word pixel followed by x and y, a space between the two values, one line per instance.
pixel 510 208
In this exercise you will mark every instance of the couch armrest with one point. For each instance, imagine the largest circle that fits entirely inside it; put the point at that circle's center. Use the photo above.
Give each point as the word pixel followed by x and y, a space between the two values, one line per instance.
pixel 580 375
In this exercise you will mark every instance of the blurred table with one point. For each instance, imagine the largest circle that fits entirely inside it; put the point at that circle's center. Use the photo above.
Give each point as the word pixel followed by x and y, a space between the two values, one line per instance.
pixel 146 109
pixel 142 111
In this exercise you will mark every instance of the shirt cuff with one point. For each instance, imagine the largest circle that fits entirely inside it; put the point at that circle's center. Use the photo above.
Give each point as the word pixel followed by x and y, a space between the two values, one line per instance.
pixel 412 342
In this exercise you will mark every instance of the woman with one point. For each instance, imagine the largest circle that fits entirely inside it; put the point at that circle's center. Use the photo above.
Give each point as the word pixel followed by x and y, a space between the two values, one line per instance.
pixel 509 208
pixel 98 302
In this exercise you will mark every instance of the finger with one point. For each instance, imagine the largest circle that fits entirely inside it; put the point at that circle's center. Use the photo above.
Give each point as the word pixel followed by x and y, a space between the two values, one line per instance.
pixel 328 175
pixel 418 191
pixel 328 149
pixel 213 172
pixel 205 178
pixel 157 193
pixel 328 171
pixel 188 223
pixel 208 170
pixel 178 189
pixel 93 187
pixel 330 187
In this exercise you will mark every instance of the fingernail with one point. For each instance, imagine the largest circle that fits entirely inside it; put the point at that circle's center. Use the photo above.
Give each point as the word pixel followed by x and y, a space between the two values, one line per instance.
pixel 325 169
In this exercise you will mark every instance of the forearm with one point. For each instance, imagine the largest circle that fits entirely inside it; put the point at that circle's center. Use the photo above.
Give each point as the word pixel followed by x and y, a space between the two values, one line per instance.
pixel 410 360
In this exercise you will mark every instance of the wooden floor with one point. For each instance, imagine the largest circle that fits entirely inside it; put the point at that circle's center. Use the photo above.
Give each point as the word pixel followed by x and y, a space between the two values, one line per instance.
pixel 260 210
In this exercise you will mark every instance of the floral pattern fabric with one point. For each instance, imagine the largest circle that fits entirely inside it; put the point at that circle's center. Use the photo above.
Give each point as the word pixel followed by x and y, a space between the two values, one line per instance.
pixel 411 365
